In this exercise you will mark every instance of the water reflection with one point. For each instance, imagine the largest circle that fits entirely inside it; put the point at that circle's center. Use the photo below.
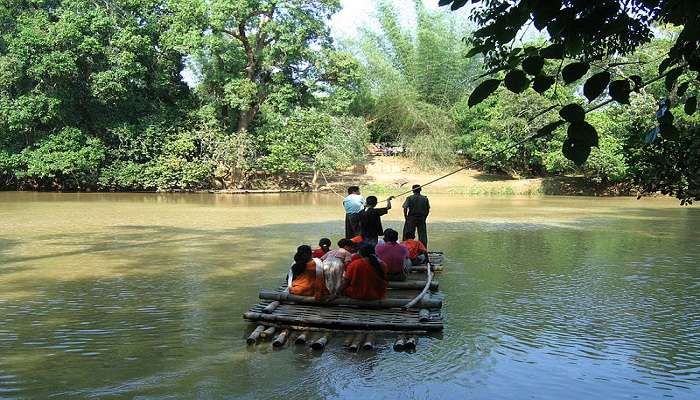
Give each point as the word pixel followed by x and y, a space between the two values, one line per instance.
pixel 141 295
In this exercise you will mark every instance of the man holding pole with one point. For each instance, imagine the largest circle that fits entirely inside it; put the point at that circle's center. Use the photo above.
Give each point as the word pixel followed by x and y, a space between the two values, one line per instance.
pixel 415 210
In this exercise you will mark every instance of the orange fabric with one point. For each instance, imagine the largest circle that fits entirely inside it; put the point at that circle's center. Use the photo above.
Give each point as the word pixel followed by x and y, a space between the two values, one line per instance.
pixel 308 284
pixel 415 247
pixel 365 284
pixel 357 239
pixel 318 253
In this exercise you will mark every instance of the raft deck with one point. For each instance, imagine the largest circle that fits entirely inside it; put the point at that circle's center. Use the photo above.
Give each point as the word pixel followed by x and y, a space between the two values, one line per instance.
pixel 298 316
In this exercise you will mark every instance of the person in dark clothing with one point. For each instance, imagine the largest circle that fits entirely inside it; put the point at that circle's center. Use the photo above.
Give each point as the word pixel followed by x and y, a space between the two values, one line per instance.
pixel 415 210
pixel 371 221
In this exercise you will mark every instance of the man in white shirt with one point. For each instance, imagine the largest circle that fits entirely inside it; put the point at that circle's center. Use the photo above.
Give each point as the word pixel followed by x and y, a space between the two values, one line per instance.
pixel 353 203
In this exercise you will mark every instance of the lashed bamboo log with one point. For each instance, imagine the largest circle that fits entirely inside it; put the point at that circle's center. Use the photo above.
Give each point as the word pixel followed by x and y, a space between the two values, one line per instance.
pixel 268 332
pixel 424 301
pixel 369 342
pixel 351 324
pixel 424 315
pixel 356 342
pixel 410 343
pixel 412 285
pixel 281 338
pixel 255 334
pixel 301 339
pixel 399 343
pixel 423 268
pixel 271 307
pixel 320 343
pixel 348 340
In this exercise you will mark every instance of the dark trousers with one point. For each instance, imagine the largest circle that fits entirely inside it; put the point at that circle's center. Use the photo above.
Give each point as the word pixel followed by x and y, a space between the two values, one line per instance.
pixel 412 223
pixel 352 225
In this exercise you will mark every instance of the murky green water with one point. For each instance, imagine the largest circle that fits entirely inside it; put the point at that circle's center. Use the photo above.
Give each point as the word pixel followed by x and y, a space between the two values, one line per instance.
pixel 141 295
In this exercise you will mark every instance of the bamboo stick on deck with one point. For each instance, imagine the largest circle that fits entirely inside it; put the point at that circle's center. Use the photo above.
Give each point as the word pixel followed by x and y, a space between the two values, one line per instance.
pixel 399 343
pixel 410 343
pixel 356 342
pixel 255 334
pixel 268 332
pixel 425 301
pixel 424 315
pixel 271 307
pixel 423 268
pixel 281 339
pixel 412 285
pixel 340 324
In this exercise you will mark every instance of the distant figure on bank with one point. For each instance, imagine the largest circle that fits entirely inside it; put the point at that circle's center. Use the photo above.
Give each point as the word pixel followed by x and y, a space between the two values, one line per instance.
pixel 394 255
pixel 306 275
pixel 365 278
pixel 334 263
pixel 416 251
pixel 415 210
pixel 324 246
pixel 371 220
pixel 353 204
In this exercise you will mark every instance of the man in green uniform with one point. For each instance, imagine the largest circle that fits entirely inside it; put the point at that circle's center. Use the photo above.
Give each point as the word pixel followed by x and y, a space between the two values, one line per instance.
pixel 415 210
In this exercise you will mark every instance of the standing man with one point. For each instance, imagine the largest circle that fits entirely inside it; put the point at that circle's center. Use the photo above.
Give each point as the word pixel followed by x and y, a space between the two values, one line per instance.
pixel 353 203
pixel 371 220
pixel 415 210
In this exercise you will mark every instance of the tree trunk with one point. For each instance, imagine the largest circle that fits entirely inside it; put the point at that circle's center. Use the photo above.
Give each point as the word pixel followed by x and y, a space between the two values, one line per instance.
pixel 314 180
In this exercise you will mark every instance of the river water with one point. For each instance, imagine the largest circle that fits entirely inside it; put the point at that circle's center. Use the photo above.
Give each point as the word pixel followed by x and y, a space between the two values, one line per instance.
pixel 141 295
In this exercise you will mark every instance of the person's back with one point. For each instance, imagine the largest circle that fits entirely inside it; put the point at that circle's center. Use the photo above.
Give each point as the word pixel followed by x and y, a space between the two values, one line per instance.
pixel 394 255
pixel 365 278
pixel 418 205
pixel 370 220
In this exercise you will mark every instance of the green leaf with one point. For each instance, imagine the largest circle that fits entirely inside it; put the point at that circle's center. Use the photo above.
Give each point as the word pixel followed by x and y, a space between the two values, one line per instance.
pixel 542 82
pixel 554 51
pixel 672 77
pixel 595 85
pixel 516 81
pixel 574 71
pixel 474 51
pixel 572 113
pixel 533 65
pixel 682 88
pixel 584 133
pixel 576 152
pixel 483 91
pixel 690 105
pixel 548 129
pixel 620 91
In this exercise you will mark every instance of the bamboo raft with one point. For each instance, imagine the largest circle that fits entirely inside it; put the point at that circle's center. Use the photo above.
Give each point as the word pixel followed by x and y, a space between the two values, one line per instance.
pixel 411 308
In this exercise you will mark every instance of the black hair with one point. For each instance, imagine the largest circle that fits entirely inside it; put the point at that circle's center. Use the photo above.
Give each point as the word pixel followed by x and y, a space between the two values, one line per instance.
pixel 371 201
pixel 301 258
pixel 416 189
pixel 391 235
pixel 345 242
pixel 409 235
pixel 353 189
pixel 367 251
pixel 324 242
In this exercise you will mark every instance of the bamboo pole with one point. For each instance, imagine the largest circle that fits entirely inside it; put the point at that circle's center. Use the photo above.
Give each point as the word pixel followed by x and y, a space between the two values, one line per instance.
pixel 369 342
pixel 268 332
pixel 423 268
pixel 281 339
pixel 410 343
pixel 320 343
pixel 424 315
pixel 301 339
pixel 340 324
pixel 412 285
pixel 399 343
pixel 348 340
pixel 271 307
pixel 356 342
pixel 255 334
pixel 425 302
pixel 421 296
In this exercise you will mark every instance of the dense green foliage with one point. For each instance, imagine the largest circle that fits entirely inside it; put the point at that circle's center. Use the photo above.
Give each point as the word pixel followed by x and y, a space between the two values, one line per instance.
pixel 591 37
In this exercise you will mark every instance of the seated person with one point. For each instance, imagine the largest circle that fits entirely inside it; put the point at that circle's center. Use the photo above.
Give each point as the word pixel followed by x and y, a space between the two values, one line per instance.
pixel 365 278
pixel 395 256
pixel 416 250
pixel 324 246
pixel 306 275
pixel 334 265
